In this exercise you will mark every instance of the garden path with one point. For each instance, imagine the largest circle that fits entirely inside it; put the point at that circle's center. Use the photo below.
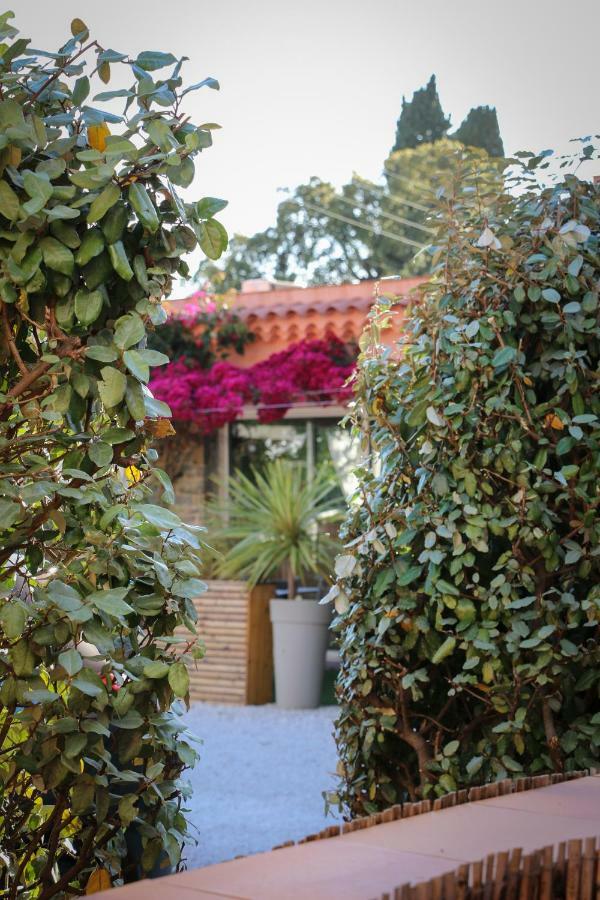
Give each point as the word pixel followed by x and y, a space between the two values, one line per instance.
pixel 260 777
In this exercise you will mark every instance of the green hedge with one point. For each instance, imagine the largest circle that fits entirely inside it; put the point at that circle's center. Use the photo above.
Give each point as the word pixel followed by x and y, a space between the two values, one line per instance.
pixel 468 594
pixel 95 575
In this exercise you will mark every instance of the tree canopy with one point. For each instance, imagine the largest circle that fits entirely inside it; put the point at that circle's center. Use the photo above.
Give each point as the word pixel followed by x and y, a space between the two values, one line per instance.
pixel 481 129
pixel 422 120
pixel 362 230
pixel 323 234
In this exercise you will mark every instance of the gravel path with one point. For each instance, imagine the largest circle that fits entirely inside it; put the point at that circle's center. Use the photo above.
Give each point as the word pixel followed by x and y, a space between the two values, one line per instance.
pixel 259 779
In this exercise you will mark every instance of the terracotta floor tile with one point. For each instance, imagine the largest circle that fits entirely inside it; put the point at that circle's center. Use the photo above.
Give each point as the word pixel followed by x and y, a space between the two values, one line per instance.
pixel 323 870
pixel 579 799
pixel 160 889
pixel 470 832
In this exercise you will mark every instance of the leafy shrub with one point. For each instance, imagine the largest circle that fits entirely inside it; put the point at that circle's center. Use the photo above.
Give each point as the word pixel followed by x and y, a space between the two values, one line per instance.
pixel 469 589
pixel 95 578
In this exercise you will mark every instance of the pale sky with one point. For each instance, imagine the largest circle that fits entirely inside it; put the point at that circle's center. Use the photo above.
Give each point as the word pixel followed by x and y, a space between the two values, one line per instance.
pixel 314 87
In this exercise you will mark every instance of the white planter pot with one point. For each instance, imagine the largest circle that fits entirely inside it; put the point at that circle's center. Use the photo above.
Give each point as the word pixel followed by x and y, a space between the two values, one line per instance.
pixel 300 636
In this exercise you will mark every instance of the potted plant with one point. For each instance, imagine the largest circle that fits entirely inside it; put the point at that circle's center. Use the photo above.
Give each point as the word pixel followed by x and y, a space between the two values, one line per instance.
pixel 274 522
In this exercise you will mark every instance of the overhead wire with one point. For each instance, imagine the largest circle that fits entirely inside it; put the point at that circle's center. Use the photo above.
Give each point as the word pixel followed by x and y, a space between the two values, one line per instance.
pixel 419 185
pixel 400 219
pixel 401 199
pixel 379 231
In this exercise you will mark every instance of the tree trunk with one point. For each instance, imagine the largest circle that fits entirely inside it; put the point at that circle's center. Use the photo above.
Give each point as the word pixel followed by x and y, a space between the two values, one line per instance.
pixel 291 582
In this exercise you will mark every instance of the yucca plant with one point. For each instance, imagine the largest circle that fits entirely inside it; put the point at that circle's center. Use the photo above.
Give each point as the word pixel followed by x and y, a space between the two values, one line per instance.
pixel 274 519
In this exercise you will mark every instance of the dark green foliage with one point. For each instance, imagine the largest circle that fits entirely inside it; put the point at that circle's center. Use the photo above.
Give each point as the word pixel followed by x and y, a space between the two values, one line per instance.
pixel 422 120
pixel 468 592
pixel 481 129
pixel 95 576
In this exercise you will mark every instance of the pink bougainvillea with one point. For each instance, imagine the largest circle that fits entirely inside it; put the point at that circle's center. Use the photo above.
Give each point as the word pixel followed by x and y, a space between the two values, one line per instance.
pixel 309 372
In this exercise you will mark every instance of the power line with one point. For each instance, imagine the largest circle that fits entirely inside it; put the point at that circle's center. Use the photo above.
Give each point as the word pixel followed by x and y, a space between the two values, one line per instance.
pixel 379 231
pixel 401 199
pixel 414 184
pixel 388 215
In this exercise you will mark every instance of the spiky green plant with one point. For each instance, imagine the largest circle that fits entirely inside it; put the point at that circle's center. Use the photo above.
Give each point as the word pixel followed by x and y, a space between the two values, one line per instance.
pixel 274 520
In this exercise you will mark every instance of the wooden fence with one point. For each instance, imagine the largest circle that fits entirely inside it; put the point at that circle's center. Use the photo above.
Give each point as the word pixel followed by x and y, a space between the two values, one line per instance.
pixel 568 872
pixel 234 624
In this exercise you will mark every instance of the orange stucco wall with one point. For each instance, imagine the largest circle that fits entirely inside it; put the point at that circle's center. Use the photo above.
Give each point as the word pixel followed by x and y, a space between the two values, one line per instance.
pixel 284 315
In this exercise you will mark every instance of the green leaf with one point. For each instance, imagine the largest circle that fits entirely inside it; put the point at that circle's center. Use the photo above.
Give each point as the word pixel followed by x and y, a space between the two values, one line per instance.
pixel 153 357
pixel 9 512
pixel 120 261
pixel 136 365
pixel 71 661
pixel 444 650
pixel 117 435
pixel 451 748
pixel 474 765
pixel 150 60
pixel 156 669
pixel 551 295
pixel 470 482
pixel 112 386
pixel 100 206
pixel 129 330
pixel 79 30
pixel 434 417
pixel 134 398
pixel 166 484
pixel 209 207
pixel 131 719
pixel 101 353
pixel 143 206
pixel 100 453
pixel 12 619
pixel 89 683
pixel 80 90
pixel 179 679
pixel 407 577
pixel 58 213
pixel 92 245
pixel 158 516
pixel 503 357
pixel 57 256
pixel 128 809
pixel 212 238
pixel 88 306
pixel 22 658
pixel 9 202
pixel 38 187
pixel 111 602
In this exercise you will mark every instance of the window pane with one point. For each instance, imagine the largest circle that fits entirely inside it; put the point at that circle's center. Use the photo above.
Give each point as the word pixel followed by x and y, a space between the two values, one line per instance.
pixel 253 444
pixel 336 446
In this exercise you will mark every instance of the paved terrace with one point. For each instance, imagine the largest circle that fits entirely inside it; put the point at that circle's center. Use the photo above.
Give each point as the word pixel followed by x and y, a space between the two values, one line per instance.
pixel 368 862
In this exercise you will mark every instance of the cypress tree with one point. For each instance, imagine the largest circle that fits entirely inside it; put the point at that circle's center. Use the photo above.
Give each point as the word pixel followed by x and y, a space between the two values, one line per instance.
pixel 480 129
pixel 422 119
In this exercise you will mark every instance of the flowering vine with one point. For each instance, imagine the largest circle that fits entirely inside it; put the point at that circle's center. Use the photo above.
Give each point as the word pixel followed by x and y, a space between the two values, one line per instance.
pixel 311 371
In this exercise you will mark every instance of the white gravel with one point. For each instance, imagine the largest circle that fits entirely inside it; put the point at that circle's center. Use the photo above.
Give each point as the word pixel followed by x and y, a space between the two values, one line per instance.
pixel 260 777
